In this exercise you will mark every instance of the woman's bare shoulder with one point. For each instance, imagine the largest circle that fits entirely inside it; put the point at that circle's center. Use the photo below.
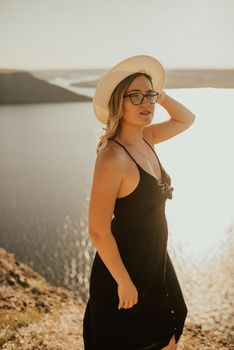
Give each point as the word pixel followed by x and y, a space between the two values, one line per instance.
pixel 110 151
pixel 110 156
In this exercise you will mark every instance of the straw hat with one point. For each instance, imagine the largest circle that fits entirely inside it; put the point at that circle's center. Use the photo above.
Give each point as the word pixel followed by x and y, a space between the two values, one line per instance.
pixel 117 73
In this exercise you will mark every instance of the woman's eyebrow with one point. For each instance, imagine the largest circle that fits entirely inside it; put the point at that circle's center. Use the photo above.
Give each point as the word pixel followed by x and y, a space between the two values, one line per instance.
pixel 140 90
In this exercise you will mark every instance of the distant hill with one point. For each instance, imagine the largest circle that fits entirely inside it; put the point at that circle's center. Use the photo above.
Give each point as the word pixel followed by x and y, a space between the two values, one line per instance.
pixel 188 78
pixel 23 87
pixel 78 85
pixel 199 78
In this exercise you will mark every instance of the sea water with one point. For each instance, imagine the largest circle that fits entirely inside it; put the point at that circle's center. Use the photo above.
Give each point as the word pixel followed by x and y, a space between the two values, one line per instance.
pixel 47 156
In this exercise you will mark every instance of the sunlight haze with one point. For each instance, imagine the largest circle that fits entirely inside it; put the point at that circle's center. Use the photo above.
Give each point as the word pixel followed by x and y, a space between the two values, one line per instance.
pixel 71 34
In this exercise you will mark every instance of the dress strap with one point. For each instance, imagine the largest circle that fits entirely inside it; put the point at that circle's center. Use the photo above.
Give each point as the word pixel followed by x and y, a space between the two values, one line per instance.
pixel 149 145
pixel 125 150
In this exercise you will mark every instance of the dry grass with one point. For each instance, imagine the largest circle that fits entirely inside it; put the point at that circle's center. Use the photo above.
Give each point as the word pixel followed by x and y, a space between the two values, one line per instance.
pixel 40 284
pixel 58 330
pixel 184 346
pixel 37 316
pixel 12 320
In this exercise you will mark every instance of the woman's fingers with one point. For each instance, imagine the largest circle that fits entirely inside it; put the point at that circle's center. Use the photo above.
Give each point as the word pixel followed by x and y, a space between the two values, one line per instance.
pixel 120 304
pixel 128 294
pixel 126 305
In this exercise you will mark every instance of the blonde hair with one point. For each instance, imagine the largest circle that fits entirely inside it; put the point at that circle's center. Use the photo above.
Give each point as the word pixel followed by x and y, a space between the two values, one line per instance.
pixel 115 107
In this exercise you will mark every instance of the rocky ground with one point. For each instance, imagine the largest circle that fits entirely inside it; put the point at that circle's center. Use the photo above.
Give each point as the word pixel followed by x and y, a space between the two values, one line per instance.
pixel 36 316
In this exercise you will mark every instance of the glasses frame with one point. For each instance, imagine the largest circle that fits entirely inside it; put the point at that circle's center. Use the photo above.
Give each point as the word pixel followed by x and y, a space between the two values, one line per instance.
pixel 148 95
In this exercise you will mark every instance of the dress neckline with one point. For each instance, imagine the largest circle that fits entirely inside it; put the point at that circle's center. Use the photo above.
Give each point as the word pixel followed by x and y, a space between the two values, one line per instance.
pixel 160 165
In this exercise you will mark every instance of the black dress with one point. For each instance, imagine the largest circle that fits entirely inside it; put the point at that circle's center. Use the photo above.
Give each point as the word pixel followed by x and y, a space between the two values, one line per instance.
pixel 139 227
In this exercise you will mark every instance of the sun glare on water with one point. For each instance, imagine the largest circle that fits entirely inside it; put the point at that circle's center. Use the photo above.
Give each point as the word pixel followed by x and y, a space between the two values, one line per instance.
pixel 199 161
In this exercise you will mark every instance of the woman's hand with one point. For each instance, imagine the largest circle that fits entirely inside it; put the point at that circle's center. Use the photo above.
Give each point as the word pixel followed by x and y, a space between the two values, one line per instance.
pixel 128 295
pixel 161 97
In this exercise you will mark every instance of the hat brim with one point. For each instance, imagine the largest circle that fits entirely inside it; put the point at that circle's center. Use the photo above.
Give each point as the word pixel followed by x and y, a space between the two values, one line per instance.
pixel 106 85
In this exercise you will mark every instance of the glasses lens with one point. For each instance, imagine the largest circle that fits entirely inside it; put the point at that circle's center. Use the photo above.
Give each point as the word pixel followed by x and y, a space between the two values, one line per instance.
pixel 152 98
pixel 137 98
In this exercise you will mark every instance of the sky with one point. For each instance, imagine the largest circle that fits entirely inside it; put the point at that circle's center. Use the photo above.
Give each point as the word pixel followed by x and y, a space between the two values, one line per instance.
pixel 73 34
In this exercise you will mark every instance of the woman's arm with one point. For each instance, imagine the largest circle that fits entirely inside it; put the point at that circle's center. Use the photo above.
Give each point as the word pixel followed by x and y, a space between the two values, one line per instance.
pixel 107 178
pixel 180 119
pixel 176 110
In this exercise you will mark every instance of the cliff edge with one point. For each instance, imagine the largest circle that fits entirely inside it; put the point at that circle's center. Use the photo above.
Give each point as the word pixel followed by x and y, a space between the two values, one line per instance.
pixel 35 315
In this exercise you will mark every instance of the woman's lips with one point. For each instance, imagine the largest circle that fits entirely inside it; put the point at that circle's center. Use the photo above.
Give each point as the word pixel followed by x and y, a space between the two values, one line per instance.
pixel 144 113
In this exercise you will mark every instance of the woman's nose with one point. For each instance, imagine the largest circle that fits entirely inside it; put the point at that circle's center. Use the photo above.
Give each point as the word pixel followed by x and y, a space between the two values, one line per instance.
pixel 145 99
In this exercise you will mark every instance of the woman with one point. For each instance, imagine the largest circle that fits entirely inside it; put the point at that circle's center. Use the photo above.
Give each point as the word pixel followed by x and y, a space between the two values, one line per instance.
pixel 135 297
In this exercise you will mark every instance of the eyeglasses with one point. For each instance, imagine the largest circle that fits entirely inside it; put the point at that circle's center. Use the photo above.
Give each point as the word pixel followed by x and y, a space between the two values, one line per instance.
pixel 137 98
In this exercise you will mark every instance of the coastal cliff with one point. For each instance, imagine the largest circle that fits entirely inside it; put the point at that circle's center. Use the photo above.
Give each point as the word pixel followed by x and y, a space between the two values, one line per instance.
pixel 19 87
pixel 35 315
